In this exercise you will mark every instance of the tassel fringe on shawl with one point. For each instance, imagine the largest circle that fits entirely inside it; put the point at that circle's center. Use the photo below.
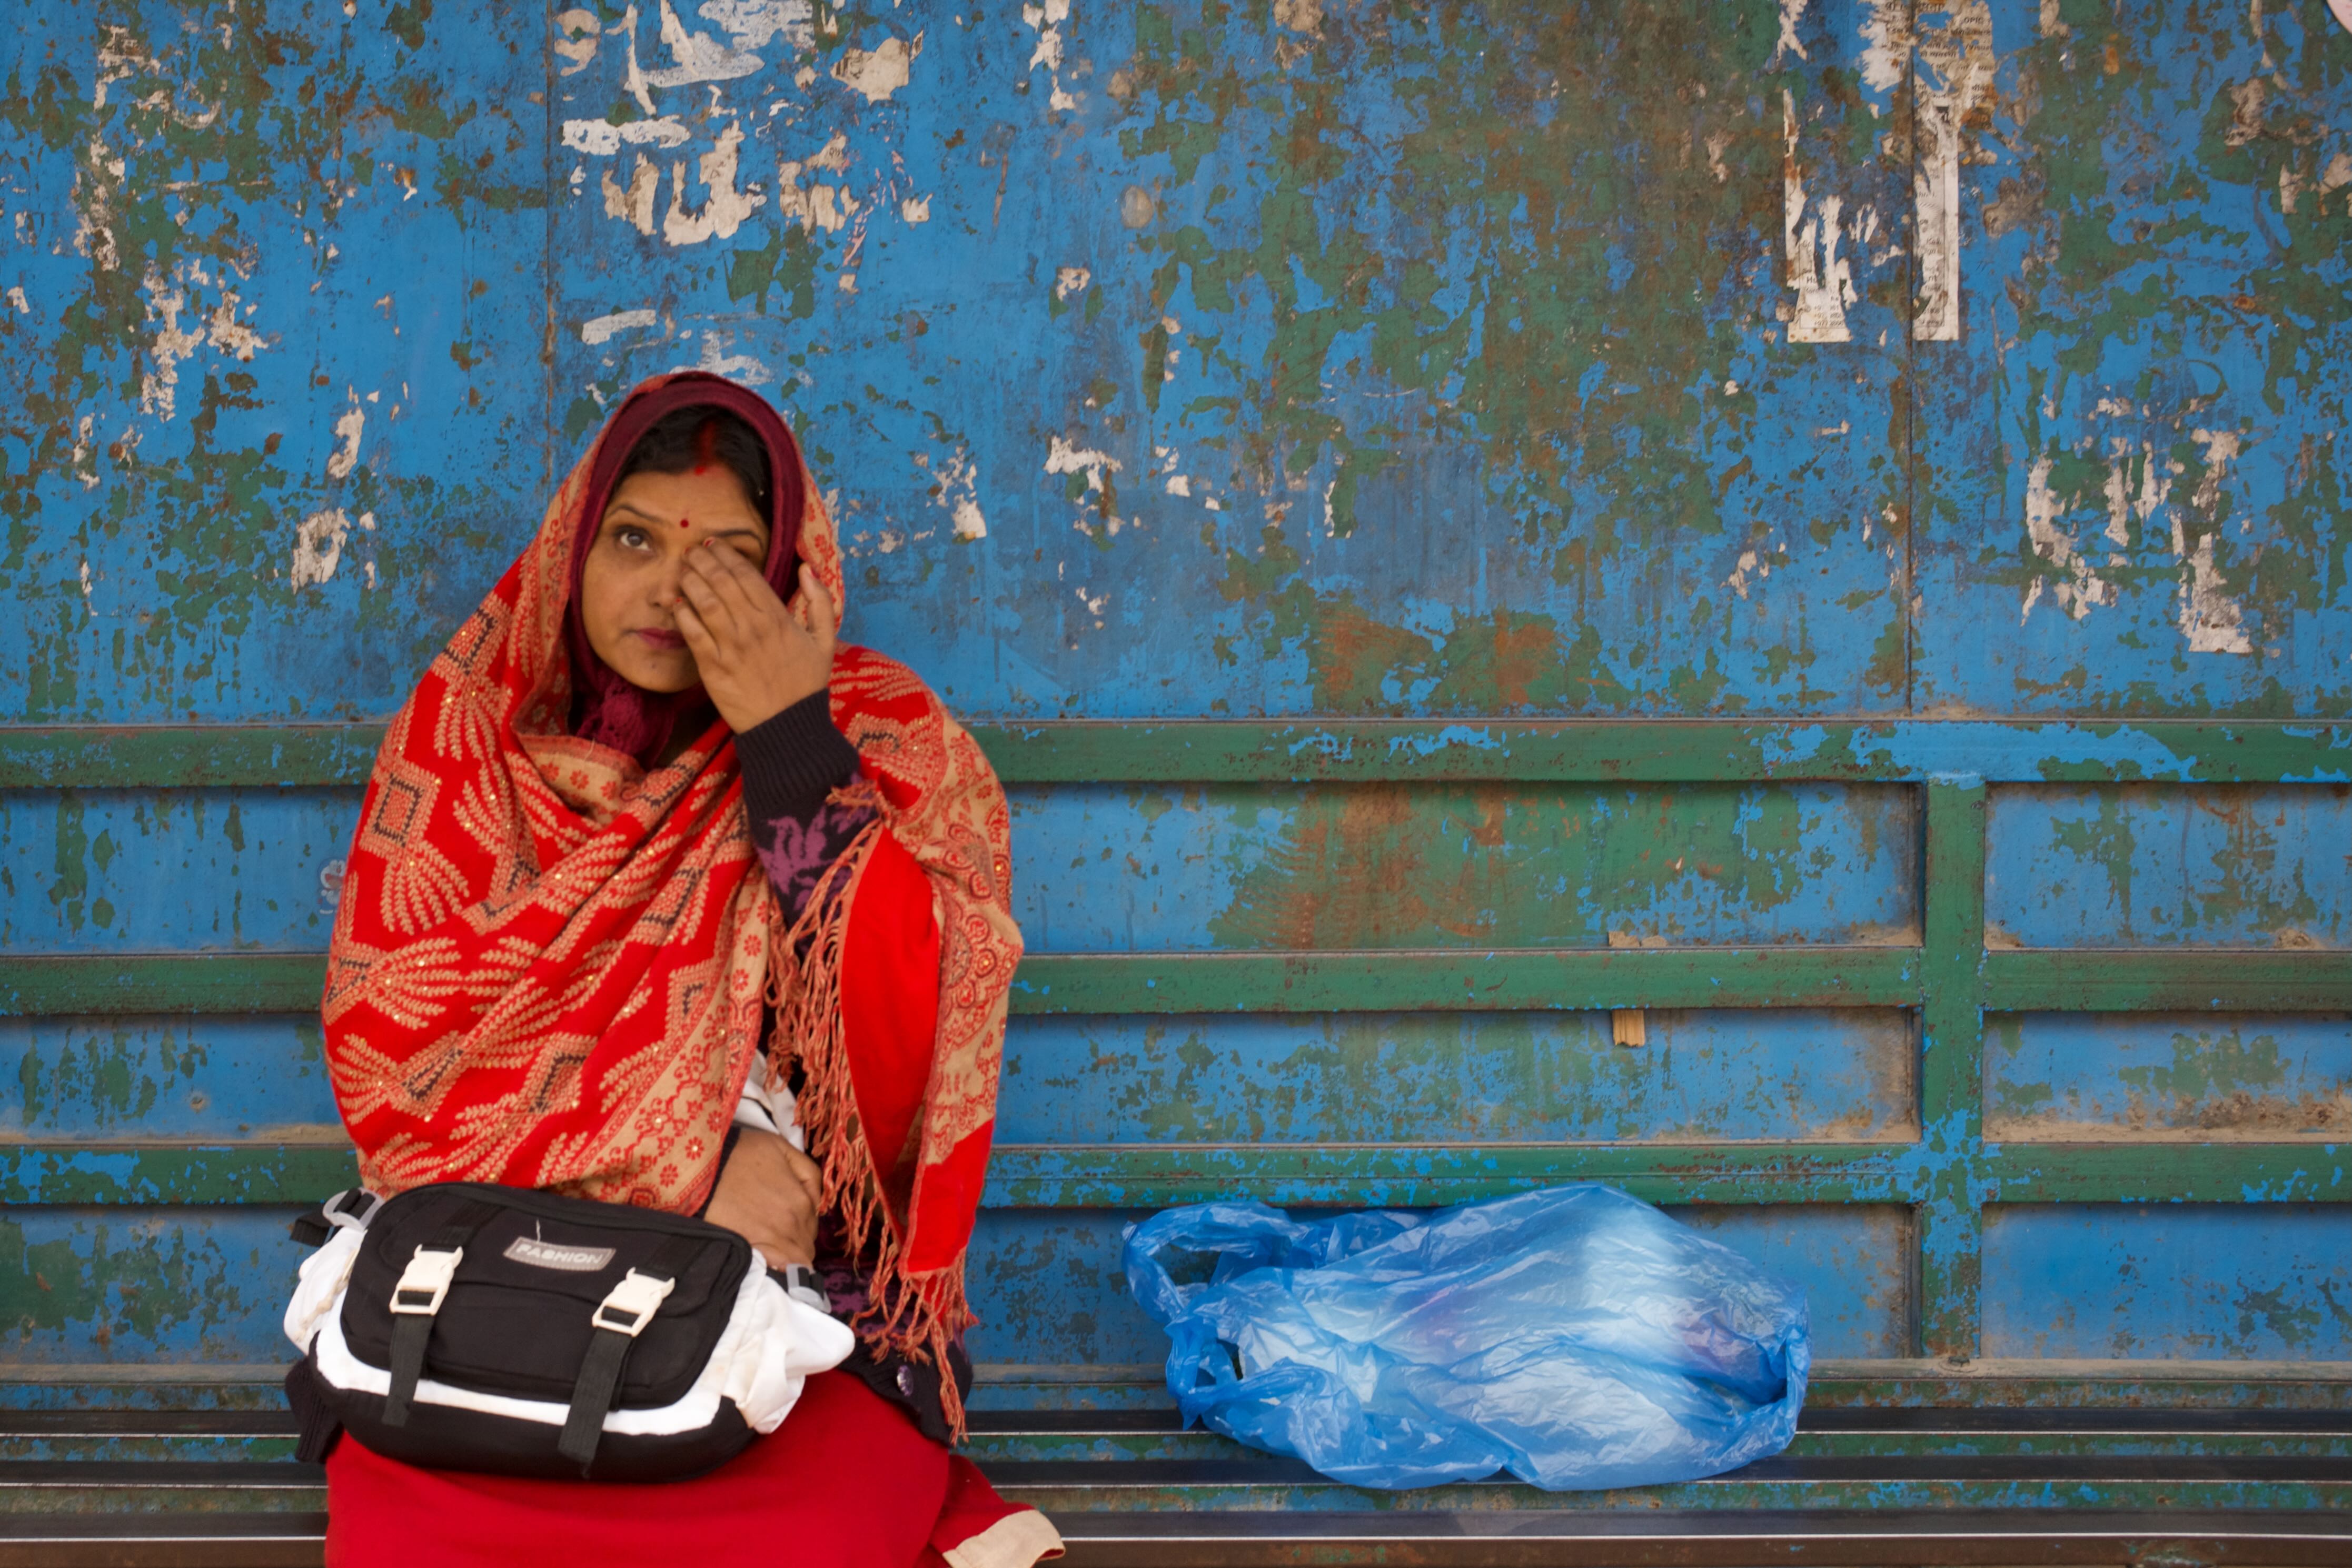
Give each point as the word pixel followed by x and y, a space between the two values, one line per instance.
pixel 916 1318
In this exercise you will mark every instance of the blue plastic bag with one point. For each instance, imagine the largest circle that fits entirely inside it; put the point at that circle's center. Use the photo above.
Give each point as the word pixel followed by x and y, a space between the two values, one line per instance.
pixel 1574 1336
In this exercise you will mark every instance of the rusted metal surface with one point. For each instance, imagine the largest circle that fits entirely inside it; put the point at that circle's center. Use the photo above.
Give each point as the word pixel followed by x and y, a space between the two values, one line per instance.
pixel 2257 1076
pixel 1221 867
pixel 2230 865
pixel 1640 357
pixel 1267 421
pixel 1842 1075
pixel 2188 1280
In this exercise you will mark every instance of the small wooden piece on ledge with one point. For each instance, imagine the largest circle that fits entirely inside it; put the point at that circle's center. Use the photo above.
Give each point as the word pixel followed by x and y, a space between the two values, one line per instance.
pixel 1629 1026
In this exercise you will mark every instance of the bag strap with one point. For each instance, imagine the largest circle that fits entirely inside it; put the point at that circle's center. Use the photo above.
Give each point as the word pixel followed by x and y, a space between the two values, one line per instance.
pixel 422 1287
pixel 619 1319
pixel 350 1209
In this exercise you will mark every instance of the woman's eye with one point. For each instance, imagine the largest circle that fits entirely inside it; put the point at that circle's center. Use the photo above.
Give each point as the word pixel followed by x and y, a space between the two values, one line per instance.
pixel 629 538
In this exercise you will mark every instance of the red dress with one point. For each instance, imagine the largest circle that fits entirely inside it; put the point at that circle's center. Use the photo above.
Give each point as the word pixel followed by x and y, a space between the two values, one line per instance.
pixel 847 1481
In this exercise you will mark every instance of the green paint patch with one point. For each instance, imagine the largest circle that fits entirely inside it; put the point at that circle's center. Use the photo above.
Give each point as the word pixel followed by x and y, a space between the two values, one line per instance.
pixel 1389 865
pixel 131 1287
pixel 788 262
pixel 406 21
pixel 70 887
pixel 2148 1079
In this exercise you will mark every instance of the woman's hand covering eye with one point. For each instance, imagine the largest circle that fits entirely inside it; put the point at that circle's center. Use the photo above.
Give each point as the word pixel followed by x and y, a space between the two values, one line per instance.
pixel 768 1193
pixel 757 656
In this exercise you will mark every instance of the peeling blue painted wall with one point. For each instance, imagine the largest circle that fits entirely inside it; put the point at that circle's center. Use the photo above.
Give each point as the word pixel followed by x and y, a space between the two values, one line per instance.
pixel 1659 359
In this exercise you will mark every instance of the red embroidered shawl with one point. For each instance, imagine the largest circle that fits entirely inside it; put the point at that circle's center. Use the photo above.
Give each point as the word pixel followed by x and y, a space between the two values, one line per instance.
pixel 550 966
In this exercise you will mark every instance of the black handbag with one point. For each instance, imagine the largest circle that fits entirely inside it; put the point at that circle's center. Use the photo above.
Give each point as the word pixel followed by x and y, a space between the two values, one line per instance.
pixel 503 1330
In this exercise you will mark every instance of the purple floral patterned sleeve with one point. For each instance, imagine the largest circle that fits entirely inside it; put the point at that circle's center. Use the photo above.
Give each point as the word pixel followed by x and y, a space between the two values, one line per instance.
pixel 793 764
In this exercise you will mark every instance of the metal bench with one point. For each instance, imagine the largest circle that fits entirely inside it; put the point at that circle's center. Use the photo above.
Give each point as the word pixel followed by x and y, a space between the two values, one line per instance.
pixel 1988 1483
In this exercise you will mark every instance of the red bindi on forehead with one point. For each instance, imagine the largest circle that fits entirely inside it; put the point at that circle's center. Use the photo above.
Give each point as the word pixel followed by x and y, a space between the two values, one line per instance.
pixel 686 522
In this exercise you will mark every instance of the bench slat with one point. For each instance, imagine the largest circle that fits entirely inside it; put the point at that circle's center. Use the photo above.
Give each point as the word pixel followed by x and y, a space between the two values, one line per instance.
pixel 1843 1539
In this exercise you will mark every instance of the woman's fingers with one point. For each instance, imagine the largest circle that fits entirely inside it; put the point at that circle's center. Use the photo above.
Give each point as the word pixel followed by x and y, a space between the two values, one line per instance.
pixel 808 1174
pixel 692 627
pixel 761 1197
pixel 697 593
pixel 705 569
pixel 730 576
pixel 823 617
pixel 761 654
pixel 814 608
pixel 751 605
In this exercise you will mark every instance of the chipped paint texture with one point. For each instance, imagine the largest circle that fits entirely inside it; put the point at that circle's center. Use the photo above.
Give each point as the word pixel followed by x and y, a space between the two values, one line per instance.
pixel 1955 67
pixel 165 1077
pixel 1808 360
pixel 2228 865
pixel 1822 280
pixel 178 870
pixel 1807 1076
pixel 268 253
pixel 81 1285
pixel 2160 379
pixel 2051 1077
pixel 1375 866
pixel 1697 401
pixel 2186 1280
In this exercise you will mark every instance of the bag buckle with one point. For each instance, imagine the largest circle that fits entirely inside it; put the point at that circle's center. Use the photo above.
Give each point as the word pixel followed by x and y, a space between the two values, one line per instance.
pixel 633 1303
pixel 351 1209
pixel 801 1285
pixel 426 1281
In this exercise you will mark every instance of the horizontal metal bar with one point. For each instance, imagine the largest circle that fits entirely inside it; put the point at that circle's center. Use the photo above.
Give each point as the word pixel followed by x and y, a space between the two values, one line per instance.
pixel 38 985
pixel 168 1540
pixel 1571 979
pixel 226 1475
pixel 2247 1383
pixel 1275 1470
pixel 1651 1537
pixel 1440 980
pixel 1421 979
pixel 186 756
pixel 1385 1175
pixel 1642 1537
pixel 2128 1173
pixel 154 1424
pixel 118 1377
pixel 1359 751
pixel 292 1175
pixel 1659 750
pixel 1034 1175
pixel 2319 1473
pixel 1037 1175
pixel 1857 1421
pixel 2144 980
pixel 2030 1380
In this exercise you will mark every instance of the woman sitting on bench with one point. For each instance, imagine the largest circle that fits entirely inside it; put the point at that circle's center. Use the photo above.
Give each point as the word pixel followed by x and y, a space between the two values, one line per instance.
pixel 654 888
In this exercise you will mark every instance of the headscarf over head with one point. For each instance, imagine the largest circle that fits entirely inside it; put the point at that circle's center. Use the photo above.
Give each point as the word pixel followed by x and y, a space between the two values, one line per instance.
pixel 551 965
pixel 609 710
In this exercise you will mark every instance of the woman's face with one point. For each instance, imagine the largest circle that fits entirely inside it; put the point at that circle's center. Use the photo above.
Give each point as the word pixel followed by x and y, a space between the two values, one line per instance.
pixel 630 584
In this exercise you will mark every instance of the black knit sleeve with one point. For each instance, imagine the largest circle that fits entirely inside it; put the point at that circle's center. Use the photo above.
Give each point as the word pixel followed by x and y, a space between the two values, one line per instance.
pixel 791 764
